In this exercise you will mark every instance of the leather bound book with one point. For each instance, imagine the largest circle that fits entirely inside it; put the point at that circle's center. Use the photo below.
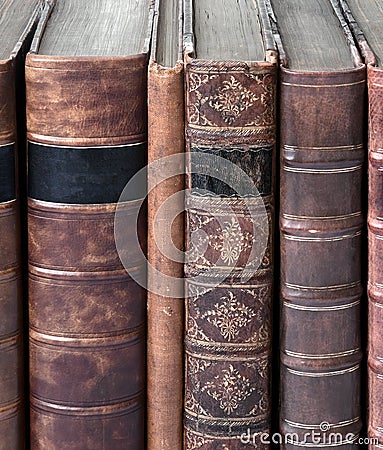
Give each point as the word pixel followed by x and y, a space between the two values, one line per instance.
pixel 17 23
pixel 165 228
pixel 365 19
pixel 230 140
pixel 86 79
pixel 322 91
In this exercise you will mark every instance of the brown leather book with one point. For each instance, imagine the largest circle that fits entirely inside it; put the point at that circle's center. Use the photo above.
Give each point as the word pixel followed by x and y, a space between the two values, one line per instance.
pixel 230 134
pixel 365 19
pixel 86 79
pixel 165 228
pixel 322 88
pixel 17 24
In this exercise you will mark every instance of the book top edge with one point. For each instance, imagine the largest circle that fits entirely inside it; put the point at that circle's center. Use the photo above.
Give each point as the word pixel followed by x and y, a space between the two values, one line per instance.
pixel 84 37
pixel 20 30
pixel 322 44
pixel 366 50
pixel 166 46
pixel 258 31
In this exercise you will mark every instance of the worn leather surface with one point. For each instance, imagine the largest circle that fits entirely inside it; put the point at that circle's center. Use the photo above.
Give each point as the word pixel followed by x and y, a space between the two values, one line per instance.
pixel 87 315
pixel 375 279
pixel 12 407
pixel 322 153
pixel 94 113
pixel 12 433
pixel 165 314
pixel 228 323
pixel 87 333
pixel 7 102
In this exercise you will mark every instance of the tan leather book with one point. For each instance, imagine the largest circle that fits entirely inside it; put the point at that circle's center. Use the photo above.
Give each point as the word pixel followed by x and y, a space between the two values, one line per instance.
pixel 18 21
pixel 86 79
pixel 322 93
pixel 230 76
pixel 365 19
pixel 165 227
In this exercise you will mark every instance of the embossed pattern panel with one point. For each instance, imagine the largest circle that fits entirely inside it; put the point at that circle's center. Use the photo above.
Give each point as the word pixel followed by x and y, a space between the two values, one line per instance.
pixel 230 114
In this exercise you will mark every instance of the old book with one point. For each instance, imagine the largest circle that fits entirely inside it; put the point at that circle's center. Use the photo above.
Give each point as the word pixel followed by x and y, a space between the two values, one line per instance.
pixel 86 79
pixel 365 19
pixel 17 23
pixel 230 141
pixel 322 87
pixel 165 228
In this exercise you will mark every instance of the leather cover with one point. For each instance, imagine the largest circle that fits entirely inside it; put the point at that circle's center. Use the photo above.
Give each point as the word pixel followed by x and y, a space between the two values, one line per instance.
pixel 12 432
pixel 321 221
pixel 87 315
pixel 12 141
pixel 228 310
pixel 165 381
pixel 165 313
pixel 375 233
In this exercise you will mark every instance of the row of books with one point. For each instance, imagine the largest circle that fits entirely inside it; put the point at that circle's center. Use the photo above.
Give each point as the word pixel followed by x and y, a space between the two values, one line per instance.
pixel 128 323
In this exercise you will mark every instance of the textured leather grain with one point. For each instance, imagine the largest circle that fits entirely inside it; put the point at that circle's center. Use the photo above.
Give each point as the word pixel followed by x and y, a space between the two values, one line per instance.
pixel 165 314
pixel 375 233
pixel 94 111
pixel 321 221
pixel 87 314
pixel 8 107
pixel 230 114
pixel 228 328
pixel 359 25
pixel 12 141
pixel 12 414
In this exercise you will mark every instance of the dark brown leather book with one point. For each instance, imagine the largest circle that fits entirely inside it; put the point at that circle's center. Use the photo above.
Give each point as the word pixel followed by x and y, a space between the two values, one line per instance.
pixel 322 92
pixel 165 228
pixel 86 79
pixel 230 134
pixel 17 23
pixel 365 19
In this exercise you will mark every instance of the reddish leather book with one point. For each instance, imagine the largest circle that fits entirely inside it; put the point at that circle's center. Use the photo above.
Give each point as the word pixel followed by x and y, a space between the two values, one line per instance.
pixel 230 141
pixel 17 23
pixel 86 79
pixel 165 273
pixel 322 93
pixel 365 20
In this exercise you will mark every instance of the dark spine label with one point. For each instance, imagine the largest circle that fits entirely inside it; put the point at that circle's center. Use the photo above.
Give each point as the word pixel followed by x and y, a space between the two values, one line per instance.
pixel 256 163
pixel 84 175
pixel 7 173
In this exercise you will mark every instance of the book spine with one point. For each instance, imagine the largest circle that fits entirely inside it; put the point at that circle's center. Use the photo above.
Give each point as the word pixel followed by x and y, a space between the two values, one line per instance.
pixel 375 237
pixel 165 312
pixel 86 139
pixel 321 222
pixel 230 133
pixel 11 357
